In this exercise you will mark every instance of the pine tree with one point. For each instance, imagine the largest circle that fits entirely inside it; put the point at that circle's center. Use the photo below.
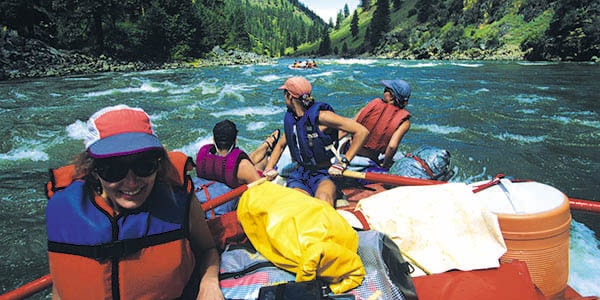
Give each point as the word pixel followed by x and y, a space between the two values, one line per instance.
pixel 325 46
pixel 380 24
pixel 354 24
pixel 338 20
pixel 365 4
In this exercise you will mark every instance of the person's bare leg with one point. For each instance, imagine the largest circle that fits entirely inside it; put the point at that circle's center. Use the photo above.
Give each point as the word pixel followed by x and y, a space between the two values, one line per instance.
pixel 326 192
pixel 259 156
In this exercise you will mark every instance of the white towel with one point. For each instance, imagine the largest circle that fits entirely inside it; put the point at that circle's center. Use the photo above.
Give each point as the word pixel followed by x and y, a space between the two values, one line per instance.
pixel 440 227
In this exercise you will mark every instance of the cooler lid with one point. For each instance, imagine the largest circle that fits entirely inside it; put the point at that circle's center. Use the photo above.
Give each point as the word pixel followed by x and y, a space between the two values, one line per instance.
pixel 529 197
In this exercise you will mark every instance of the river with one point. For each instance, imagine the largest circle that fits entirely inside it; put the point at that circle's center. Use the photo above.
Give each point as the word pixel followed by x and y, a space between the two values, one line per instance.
pixel 537 121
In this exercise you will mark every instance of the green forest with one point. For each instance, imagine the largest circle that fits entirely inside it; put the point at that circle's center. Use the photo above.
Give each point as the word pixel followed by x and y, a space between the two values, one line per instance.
pixel 151 30
pixel 467 29
pixel 163 31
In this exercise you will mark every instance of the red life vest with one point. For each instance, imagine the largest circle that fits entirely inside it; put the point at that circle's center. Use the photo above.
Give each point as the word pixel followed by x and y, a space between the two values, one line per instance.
pixel 382 120
pixel 220 168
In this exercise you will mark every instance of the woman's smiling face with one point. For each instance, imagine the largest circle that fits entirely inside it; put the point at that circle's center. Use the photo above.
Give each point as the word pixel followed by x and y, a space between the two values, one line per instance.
pixel 128 181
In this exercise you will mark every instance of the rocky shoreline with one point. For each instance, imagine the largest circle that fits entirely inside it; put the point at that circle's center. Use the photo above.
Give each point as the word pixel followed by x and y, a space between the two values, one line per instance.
pixel 22 58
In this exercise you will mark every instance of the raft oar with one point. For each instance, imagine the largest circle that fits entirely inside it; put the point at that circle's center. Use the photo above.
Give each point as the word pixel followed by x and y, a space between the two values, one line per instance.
pixel 584 205
pixel 222 199
pixel 390 178
pixel 45 281
pixel 574 204
pixel 28 289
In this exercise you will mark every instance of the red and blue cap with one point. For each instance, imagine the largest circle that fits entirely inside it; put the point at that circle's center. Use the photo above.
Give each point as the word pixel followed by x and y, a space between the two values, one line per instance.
pixel 120 130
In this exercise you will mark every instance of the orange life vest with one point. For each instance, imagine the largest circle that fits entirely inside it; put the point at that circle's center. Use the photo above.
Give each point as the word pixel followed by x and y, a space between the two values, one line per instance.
pixel 144 254
pixel 382 120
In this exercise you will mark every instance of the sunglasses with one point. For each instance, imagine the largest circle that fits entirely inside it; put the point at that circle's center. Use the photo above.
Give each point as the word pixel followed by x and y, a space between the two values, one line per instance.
pixel 387 89
pixel 117 170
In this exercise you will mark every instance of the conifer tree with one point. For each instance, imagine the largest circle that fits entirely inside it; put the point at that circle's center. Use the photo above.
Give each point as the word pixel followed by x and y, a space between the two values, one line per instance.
pixel 354 24
pixel 365 4
pixel 338 20
pixel 325 46
pixel 380 24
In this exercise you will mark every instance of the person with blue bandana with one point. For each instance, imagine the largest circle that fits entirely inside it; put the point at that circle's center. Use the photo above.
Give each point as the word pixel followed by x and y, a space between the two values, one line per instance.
pixel 387 121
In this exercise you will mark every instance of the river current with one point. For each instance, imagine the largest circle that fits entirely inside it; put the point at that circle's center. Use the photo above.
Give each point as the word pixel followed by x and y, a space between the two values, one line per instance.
pixel 537 121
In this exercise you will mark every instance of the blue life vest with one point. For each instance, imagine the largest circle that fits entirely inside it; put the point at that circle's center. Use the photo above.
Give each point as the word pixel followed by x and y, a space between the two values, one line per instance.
pixel 90 225
pixel 308 149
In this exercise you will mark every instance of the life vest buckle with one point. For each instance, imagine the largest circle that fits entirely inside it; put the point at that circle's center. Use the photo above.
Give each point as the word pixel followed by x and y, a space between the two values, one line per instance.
pixel 116 249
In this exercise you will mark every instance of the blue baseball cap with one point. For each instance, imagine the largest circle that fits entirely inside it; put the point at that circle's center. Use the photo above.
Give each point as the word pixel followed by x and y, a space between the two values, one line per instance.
pixel 400 88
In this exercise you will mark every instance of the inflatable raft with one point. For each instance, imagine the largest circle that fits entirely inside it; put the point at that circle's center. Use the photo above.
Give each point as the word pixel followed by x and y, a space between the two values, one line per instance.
pixel 533 221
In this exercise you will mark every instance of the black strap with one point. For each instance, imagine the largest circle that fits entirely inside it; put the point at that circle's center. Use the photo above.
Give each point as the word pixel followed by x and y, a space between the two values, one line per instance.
pixel 245 271
pixel 116 249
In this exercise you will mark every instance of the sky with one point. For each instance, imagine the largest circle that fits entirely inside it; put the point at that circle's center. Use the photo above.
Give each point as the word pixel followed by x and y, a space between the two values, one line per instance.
pixel 329 8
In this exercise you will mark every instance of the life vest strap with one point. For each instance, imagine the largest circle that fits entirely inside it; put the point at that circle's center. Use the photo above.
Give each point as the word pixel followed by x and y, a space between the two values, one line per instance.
pixel 61 177
pixel 204 187
pixel 116 249
pixel 423 164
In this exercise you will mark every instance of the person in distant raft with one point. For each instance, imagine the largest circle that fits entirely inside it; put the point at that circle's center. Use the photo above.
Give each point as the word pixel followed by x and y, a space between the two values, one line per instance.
pixel 126 229
pixel 387 121
pixel 311 130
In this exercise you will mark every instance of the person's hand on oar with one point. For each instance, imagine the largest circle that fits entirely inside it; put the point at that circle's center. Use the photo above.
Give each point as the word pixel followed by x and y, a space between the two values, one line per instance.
pixel 337 169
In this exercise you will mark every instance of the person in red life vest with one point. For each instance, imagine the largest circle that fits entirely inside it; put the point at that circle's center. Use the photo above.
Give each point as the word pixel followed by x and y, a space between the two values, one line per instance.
pixel 311 131
pixel 126 229
pixel 387 121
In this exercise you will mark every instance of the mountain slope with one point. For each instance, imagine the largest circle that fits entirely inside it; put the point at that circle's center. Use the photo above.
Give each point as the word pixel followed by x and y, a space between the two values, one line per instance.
pixel 473 29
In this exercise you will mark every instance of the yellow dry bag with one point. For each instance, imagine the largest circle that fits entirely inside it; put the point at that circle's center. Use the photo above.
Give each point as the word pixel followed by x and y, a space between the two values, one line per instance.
pixel 301 234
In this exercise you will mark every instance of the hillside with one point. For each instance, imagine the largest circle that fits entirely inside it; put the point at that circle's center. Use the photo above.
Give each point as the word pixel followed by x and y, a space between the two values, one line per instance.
pixel 61 37
pixel 270 27
pixel 162 31
pixel 64 37
pixel 474 29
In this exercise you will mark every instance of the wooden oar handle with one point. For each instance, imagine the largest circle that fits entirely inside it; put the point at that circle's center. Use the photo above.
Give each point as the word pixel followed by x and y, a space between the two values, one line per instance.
pixel 390 178
pixel 354 174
